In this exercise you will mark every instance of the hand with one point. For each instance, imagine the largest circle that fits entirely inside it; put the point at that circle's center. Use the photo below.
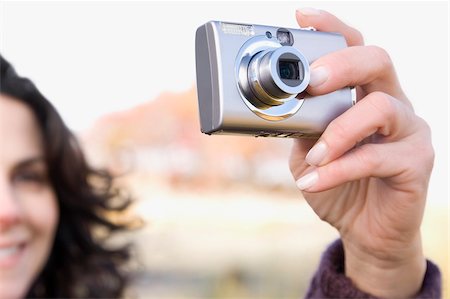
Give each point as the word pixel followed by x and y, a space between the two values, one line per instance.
pixel 368 173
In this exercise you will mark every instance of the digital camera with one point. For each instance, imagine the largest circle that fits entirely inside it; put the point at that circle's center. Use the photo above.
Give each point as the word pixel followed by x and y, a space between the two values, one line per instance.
pixel 251 80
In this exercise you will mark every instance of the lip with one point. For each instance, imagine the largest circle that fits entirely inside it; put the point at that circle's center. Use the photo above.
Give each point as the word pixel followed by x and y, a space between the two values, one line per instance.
pixel 10 255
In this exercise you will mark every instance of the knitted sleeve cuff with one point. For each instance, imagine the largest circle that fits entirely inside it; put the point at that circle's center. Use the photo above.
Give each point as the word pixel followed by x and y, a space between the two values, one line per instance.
pixel 330 281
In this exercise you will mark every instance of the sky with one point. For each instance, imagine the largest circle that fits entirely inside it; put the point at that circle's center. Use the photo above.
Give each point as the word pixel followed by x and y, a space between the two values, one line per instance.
pixel 92 58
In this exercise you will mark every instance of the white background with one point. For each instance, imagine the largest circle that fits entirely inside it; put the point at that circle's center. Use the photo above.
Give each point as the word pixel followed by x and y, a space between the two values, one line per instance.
pixel 94 58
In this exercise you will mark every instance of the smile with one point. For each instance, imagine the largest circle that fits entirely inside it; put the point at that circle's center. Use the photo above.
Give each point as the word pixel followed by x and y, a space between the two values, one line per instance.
pixel 10 255
pixel 8 251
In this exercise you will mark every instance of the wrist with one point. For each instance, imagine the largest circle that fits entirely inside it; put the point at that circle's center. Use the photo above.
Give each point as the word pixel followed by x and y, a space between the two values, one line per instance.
pixel 388 273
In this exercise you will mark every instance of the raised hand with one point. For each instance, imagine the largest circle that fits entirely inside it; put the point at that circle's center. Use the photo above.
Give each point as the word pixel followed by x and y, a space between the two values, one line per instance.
pixel 368 173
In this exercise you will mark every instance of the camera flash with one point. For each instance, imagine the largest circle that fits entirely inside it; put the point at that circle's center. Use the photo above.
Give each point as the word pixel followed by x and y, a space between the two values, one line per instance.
pixel 285 37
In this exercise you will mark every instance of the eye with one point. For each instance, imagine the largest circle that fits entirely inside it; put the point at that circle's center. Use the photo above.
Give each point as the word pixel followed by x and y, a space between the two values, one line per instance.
pixel 30 173
pixel 30 177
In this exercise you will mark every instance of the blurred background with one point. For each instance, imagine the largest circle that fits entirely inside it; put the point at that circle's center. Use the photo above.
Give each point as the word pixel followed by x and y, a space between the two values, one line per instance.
pixel 224 218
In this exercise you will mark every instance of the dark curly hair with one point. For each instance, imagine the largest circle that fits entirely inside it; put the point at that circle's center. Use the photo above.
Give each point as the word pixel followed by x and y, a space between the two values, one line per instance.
pixel 81 263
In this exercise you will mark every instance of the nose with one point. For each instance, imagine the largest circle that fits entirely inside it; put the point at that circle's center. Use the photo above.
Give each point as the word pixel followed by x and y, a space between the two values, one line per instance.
pixel 10 212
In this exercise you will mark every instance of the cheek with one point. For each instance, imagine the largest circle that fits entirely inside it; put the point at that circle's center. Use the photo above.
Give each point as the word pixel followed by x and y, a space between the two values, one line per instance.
pixel 41 218
pixel 41 210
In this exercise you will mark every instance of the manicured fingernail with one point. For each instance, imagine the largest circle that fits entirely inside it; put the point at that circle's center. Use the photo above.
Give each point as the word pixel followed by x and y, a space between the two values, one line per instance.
pixel 308 11
pixel 318 76
pixel 308 180
pixel 317 153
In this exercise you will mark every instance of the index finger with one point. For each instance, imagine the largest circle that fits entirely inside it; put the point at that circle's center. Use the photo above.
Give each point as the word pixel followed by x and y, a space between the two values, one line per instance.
pixel 324 21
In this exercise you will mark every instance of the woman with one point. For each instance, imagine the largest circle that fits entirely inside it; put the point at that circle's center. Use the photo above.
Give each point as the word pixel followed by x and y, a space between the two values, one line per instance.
pixel 374 194
pixel 367 176
pixel 53 207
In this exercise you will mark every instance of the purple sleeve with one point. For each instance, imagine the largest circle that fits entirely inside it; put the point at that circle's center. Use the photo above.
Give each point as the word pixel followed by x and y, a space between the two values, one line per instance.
pixel 330 281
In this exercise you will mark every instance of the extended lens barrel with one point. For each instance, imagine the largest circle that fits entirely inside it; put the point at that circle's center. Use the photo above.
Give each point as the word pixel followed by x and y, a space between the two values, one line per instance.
pixel 275 75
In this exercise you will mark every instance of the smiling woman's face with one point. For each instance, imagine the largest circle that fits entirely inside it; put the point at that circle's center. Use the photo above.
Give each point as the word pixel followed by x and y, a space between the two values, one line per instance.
pixel 28 205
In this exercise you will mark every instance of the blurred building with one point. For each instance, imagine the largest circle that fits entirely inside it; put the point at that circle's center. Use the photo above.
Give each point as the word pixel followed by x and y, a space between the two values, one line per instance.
pixel 161 138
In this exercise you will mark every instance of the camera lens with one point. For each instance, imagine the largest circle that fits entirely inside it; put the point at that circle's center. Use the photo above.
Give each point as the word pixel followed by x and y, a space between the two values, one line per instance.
pixel 288 69
pixel 276 75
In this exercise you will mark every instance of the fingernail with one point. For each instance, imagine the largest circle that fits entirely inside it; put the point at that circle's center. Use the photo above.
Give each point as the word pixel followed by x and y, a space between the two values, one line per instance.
pixel 317 153
pixel 309 11
pixel 318 76
pixel 307 181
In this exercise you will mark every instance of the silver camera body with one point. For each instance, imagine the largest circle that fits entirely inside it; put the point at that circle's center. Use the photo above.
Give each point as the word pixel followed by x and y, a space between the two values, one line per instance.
pixel 251 80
